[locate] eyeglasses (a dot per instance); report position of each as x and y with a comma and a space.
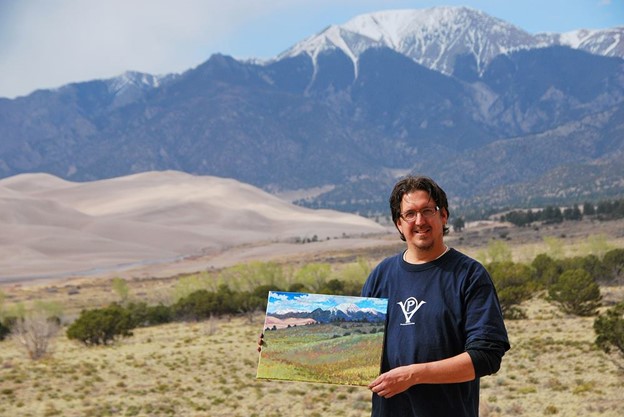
410, 216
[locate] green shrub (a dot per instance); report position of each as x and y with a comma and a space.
514, 284
144, 315
297, 287
202, 304
614, 262
333, 286
101, 326
576, 292
547, 270
4, 330
609, 329
591, 264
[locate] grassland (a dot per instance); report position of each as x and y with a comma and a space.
209, 368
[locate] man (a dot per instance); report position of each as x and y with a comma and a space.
445, 329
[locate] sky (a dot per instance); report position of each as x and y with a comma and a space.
49, 43
280, 302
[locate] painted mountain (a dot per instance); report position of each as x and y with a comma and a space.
292, 308
497, 115
340, 313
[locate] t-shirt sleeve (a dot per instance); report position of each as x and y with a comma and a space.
484, 318
486, 356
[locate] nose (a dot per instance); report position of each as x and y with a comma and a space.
419, 217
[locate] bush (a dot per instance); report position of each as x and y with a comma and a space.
297, 287
101, 326
547, 270
202, 304
591, 264
35, 327
35, 332
4, 330
249, 303
614, 263
144, 315
514, 284
576, 292
333, 286
609, 329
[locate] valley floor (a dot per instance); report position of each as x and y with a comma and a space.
209, 369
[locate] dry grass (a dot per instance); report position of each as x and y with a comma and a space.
198, 369
209, 368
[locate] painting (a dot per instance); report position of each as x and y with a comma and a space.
322, 338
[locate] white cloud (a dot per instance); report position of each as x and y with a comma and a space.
47, 43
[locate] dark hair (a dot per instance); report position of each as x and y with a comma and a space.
410, 184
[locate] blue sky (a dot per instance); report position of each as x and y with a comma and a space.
48, 43
288, 301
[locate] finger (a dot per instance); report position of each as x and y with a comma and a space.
388, 394
260, 342
376, 382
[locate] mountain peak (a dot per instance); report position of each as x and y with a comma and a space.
607, 42
346, 308
432, 37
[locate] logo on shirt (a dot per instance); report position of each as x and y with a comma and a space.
409, 307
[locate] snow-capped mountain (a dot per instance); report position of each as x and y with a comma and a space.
346, 308
342, 312
606, 42
131, 80
435, 37
431, 37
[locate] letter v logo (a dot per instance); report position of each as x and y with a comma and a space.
409, 307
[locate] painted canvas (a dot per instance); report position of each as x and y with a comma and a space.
322, 338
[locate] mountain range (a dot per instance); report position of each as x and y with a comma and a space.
342, 312
498, 116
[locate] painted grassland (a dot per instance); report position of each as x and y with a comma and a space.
345, 353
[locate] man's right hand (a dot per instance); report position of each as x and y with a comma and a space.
260, 342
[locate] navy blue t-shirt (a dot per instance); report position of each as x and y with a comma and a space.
434, 310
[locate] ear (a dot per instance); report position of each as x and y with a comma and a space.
399, 226
400, 229
444, 213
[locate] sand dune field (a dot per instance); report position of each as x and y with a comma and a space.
51, 228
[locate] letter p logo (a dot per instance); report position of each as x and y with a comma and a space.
409, 307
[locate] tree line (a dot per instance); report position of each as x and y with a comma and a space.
604, 210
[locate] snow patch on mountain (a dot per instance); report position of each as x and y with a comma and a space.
606, 42
347, 308
434, 37
133, 80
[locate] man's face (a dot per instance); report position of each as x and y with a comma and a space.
423, 233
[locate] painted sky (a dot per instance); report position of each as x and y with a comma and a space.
48, 43
300, 302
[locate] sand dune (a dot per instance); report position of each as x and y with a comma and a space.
50, 227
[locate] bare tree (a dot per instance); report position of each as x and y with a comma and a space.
35, 330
